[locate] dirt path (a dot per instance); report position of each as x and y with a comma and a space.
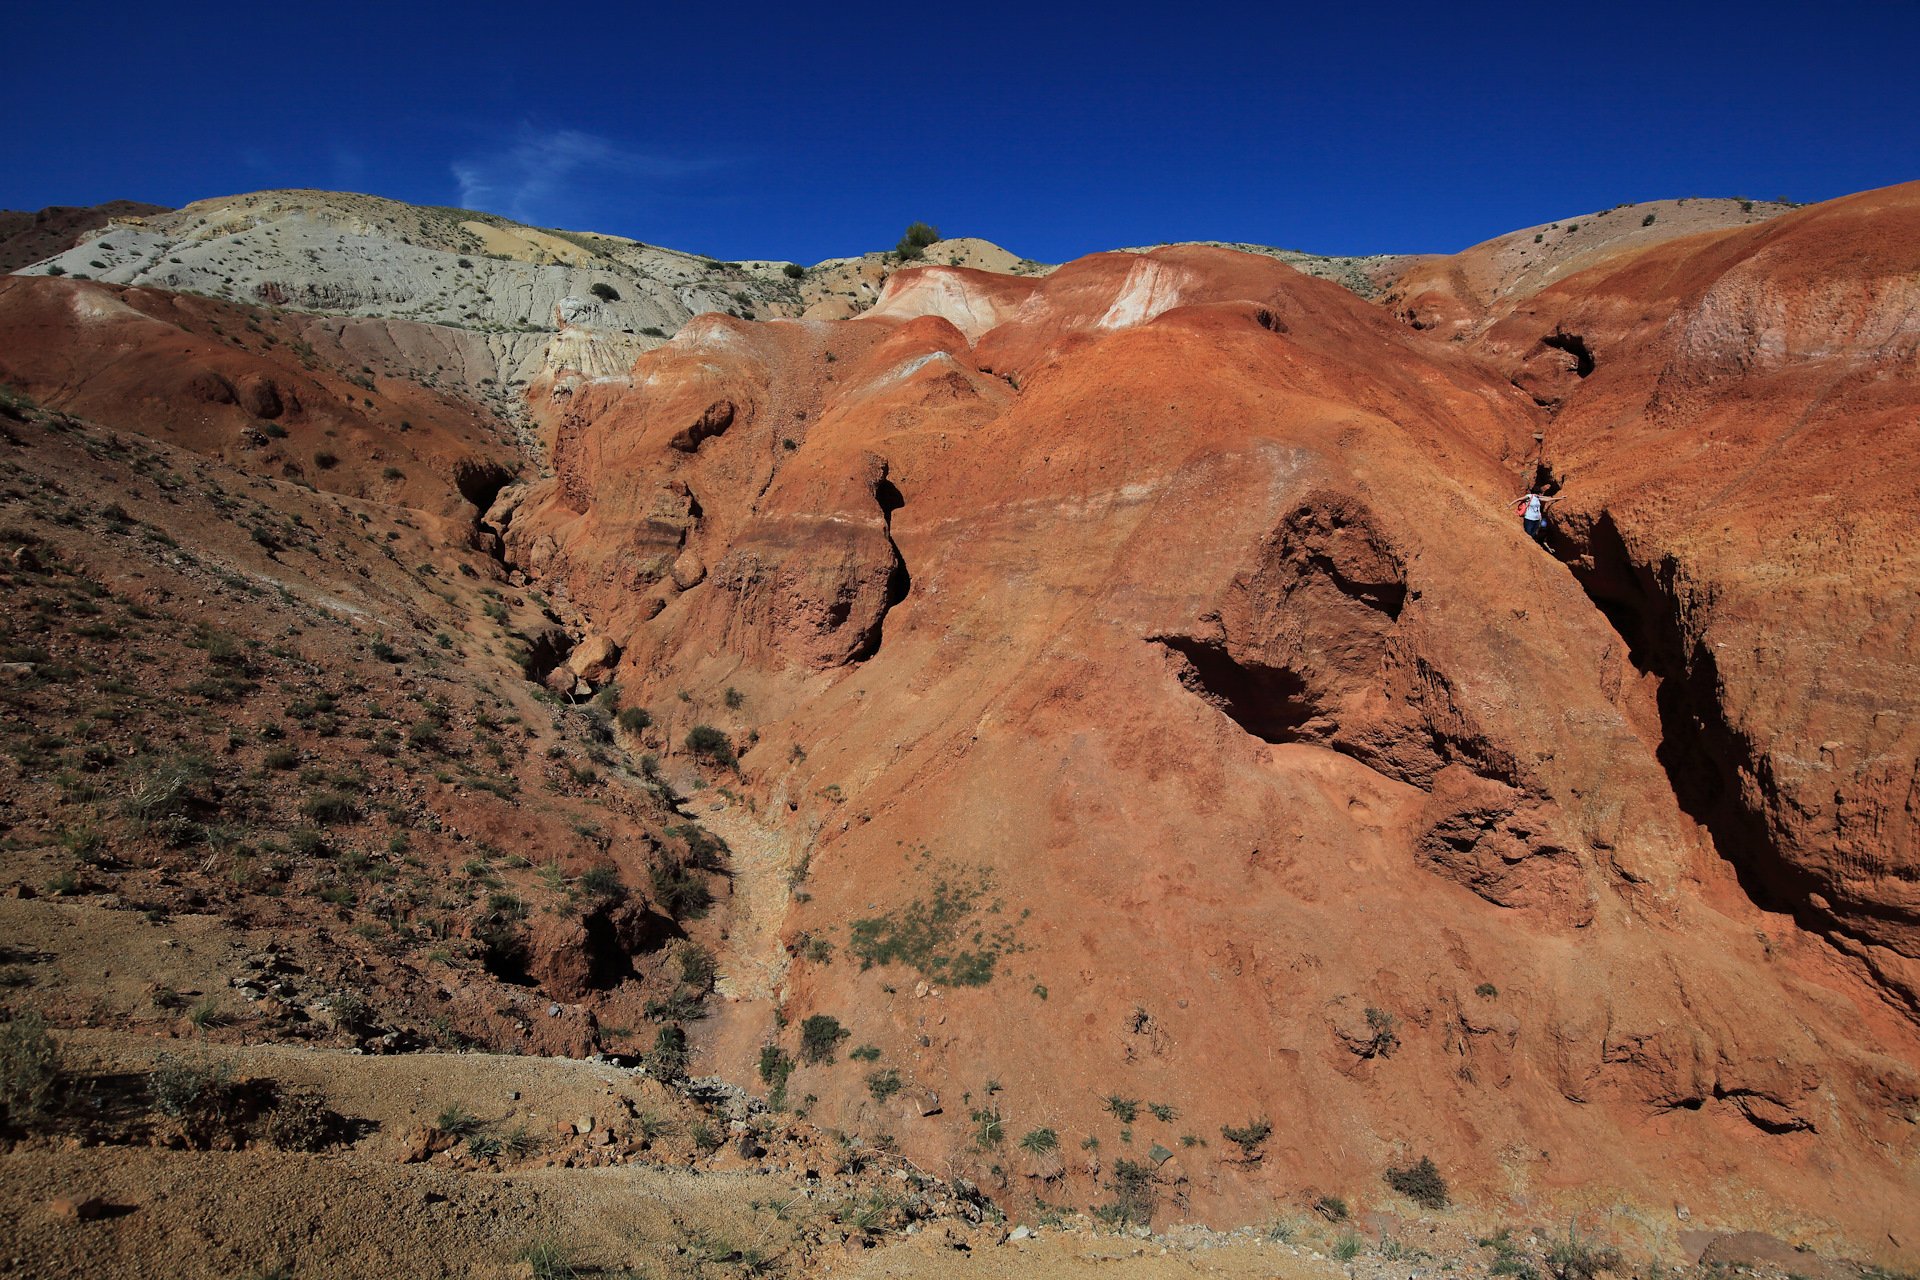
763, 861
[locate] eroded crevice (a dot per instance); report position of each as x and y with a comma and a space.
546, 649
1574, 345
1272, 703
480, 482
889, 499
1388, 596
1705, 758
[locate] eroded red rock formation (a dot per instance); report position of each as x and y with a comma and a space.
1173, 603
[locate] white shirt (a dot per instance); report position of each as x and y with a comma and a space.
1533, 506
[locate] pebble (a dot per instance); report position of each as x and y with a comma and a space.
77, 1208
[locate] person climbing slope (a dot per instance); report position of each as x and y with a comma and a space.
1532, 506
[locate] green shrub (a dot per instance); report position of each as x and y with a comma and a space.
29, 1070
884, 1084
330, 808
1346, 1248
1125, 1109
1384, 1027
455, 1119
1132, 1188
914, 243
1577, 1259
1420, 1182
705, 740
1041, 1141
1332, 1208
942, 936
602, 881
547, 1259
633, 719
697, 966
820, 1037
204, 1100
667, 1060
775, 1065
1248, 1136
681, 891
794, 271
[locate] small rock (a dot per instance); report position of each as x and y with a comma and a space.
1020, 1233
77, 1208
583, 1125
553, 1011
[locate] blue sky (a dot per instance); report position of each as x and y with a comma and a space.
785, 131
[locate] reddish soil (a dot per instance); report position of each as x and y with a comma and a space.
1168, 781
1157, 638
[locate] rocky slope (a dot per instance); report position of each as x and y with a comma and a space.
1150, 699
1123, 752
26, 238
1735, 424
1455, 294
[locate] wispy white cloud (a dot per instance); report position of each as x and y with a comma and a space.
550, 176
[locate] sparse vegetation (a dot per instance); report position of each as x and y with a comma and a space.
1572, 1258
989, 1129
1385, 1033
1419, 1182
299, 1121
1041, 1141
913, 244
1249, 1136
884, 1084
1133, 1194
455, 1119
705, 740
202, 1098
820, 1037
941, 936
546, 1258
29, 1071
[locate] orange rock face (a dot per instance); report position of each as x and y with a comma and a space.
240, 383
1150, 689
